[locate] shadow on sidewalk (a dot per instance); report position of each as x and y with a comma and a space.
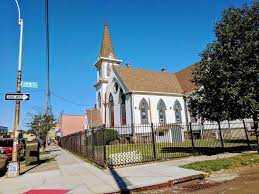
120, 181
35, 165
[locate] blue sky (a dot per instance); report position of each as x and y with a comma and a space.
147, 34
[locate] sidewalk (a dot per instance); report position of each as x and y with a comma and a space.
80, 177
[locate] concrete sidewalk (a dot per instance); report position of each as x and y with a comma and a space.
80, 177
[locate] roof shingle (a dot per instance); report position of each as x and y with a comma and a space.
148, 81
185, 79
106, 47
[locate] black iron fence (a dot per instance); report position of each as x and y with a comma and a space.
123, 145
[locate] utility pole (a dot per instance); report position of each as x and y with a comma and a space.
13, 168
48, 109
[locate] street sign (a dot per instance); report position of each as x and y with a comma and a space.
26, 84
17, 96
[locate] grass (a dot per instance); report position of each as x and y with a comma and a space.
225, 163
168, 150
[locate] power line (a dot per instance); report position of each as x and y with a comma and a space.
70, 101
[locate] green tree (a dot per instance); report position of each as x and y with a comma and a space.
41, 124
227, 75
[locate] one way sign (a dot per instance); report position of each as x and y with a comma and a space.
17, 96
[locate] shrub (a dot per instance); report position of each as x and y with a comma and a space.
110, 135
124, 140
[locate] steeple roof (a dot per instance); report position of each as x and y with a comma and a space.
106, 47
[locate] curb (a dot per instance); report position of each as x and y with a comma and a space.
162, 185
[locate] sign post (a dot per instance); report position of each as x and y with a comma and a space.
14, 166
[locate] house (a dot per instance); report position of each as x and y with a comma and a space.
69, 124
93, 118
3, 129
127, 95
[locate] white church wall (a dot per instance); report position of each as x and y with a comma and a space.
166, 137
117, 111
154, 99
170, 113
128, 110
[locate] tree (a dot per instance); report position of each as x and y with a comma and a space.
41, 124
227, 75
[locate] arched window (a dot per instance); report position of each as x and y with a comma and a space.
177, 110
108, 69
143, 107
161, 111
100, 72
123, 107
111, 110
115, 87
99, 100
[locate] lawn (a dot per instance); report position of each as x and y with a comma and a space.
171, 150
226, 163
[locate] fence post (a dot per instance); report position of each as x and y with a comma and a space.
80, 149
247, 139
93, 145
255, 118
193, 145
70, 143
220, 135
104, 147
153, 141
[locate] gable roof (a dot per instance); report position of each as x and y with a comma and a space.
185, 79
148, 81
106, 47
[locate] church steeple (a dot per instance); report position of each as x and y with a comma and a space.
104, 66
106, 50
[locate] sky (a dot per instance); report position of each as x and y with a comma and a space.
148, 34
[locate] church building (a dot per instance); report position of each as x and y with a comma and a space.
127, 95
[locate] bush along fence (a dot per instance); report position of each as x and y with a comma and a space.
124, 145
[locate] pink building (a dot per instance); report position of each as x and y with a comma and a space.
68, 124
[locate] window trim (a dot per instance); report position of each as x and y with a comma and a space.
178, 110
123, 112
143, 109
161, 108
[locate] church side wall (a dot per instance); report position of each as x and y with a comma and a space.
154, 99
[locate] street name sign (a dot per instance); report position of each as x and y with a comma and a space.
26, 84
17, 96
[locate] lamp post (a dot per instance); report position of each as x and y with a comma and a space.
13, 169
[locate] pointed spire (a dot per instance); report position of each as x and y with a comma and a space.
106, 47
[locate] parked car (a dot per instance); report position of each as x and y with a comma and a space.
6, 148
3, 163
